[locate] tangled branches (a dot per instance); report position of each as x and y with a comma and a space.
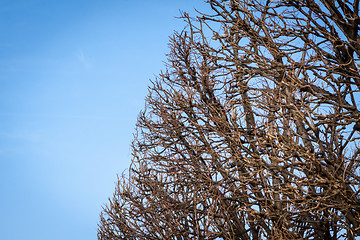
252, 131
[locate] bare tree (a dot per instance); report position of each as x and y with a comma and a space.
251, 132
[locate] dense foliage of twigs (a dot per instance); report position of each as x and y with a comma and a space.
252, 130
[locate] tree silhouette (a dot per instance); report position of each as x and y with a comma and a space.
251, 131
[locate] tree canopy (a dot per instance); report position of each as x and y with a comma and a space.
251, 131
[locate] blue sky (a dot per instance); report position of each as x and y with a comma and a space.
73, 77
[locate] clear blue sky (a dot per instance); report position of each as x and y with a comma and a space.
73, 77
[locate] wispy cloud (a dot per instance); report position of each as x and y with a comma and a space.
21, 135
83, 59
